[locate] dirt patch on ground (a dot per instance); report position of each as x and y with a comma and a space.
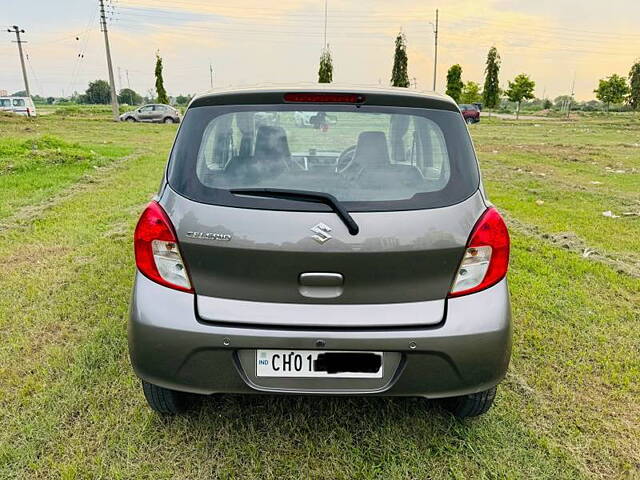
572, 242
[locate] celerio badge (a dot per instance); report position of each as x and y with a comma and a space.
222, 237
321, 233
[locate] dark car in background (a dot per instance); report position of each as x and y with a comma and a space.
153, 113
470, 113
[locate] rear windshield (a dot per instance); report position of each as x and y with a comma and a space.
370, 158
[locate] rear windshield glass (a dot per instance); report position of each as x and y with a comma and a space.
370, 158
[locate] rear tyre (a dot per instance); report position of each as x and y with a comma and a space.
168, 120
471, 405
131, 119
165, 401
469, 121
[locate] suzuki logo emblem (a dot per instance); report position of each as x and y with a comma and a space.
321, 233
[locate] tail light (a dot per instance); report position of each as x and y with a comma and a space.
486, 258
156, 248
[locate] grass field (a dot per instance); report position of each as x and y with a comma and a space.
71, 188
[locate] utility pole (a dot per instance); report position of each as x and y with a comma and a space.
211, 74
112, 83
435, 54
18, 31
325, 24
573, 88
120, 78
128, 83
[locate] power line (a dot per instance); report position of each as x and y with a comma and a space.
33, 72
15, 29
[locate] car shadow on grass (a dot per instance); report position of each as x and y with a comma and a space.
318, 418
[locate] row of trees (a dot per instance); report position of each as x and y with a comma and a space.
98, 92
521, 88
613, 89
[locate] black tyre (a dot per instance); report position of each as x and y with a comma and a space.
168, 120
131, 119
470, 405
165, 401
469, 120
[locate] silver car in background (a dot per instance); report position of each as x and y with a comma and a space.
358, 259
153, 113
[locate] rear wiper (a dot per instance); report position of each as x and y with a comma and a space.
303, 196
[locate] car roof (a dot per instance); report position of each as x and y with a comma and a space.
374, 95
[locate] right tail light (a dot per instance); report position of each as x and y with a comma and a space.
486, 257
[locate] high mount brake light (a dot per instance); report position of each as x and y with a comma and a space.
486, 258
323, 98
156, 249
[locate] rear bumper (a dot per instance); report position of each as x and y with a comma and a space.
170, 346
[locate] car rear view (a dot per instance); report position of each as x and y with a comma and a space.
359, 257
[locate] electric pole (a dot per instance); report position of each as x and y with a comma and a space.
325, 24
211, 74
18, 31
112, 83
435, 54
573, 88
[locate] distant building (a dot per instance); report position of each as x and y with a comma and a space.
4, 93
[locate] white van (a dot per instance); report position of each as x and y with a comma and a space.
18, 105
5, 104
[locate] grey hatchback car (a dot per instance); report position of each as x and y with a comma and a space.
360, 259
153, 113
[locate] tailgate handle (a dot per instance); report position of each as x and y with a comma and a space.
320, 285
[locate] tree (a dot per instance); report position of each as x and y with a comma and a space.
491, 92
612, 89
547, 104
162, 93
130, 97
471, 93
19, 93
634, 83
520, 89
325, 72
454, 82
183, 99
98, 92
400, 74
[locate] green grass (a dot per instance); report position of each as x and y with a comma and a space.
71, 408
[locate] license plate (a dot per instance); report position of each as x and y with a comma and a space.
314, 363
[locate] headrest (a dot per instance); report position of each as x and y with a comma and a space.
271, 143
372, 150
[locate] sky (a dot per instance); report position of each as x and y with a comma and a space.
251, 42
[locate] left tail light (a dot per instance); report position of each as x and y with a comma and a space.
157, 251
